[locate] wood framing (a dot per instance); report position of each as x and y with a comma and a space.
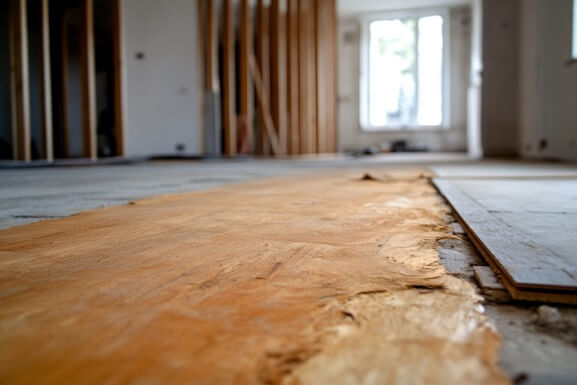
325, 67
331, 69
245, 100
269, 129
312, 78
64, 85
46, 84
292, 55
88, 82
263, 60
278, 73
306, 78
321, 74
21, 107
303, 96
228, 87
13, 81
118, 77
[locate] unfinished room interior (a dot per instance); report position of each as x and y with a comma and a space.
285, 192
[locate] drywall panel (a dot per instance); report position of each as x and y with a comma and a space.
499, 116
548, 86
161, 79
352, 137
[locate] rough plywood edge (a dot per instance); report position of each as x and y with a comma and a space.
490, 285
514, 252
516, 292
487, 278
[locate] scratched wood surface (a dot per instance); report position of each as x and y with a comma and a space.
318, 279
523, 230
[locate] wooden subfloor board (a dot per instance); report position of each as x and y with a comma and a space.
529, 272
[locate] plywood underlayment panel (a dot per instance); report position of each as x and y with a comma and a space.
525, 229
323, 279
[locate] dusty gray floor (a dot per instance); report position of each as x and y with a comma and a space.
536, 350
539, 341
31, 194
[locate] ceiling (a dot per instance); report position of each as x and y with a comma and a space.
351, 7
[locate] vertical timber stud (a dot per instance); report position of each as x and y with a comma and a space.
22, 144
321, 68
269, 129
303, 39
263, 61
208, 39
277, 73
246, 118
88, 80
46, 83
13, 82
292, 47
312, 78
65, 90
332, 76
228, 88
118, 76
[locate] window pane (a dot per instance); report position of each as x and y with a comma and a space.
392, 68
430, 95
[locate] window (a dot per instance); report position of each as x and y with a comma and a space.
403, 82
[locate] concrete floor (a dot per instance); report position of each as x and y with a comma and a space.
31, 194
536, 349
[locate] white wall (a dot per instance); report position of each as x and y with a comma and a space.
548, 86
352, 137
161, 90
499, 111
474, 144
353, 7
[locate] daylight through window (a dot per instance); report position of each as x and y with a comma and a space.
405, 72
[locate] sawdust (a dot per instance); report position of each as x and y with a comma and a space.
312, 280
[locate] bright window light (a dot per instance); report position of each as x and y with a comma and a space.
430, 53
404, 79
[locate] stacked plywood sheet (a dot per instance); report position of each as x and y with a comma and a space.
525, 228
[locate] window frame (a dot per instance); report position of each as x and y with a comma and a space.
365, 22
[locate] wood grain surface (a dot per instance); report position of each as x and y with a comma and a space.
322, 279
531, 270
